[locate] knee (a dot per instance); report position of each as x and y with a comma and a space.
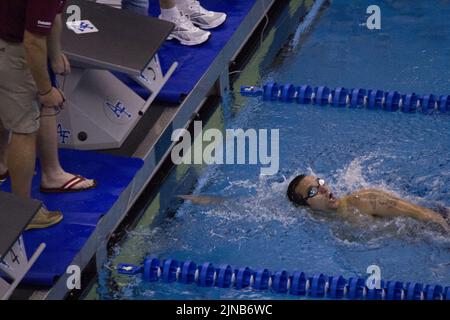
23, 136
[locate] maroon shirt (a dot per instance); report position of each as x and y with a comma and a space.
35, 16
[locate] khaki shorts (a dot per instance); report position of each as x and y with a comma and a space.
19, 107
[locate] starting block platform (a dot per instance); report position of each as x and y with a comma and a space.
101, 111
14, 263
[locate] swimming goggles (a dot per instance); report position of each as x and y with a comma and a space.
313, 191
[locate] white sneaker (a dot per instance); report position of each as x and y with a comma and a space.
185, 31
201, 17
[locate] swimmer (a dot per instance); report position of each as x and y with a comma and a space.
203, 199
313, 192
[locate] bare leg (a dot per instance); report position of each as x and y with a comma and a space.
4, 139
21, 162
53, 175
137, 6
140, 6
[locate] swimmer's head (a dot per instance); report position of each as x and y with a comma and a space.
313, 192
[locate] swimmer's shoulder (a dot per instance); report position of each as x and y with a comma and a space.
343, 204
370, 194
367, 191
356, 200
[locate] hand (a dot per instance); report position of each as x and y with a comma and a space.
61, 66
55, 98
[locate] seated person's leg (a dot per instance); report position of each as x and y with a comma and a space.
137, 6
184, 31
188, 16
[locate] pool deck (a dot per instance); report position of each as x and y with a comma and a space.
152, 144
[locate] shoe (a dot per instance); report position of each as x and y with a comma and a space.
185, 31
201, 17
44, 219
4, 177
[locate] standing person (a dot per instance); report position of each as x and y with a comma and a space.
25, 26
190, 18
53, 178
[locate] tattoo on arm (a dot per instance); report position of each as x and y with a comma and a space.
390, 203
373, 201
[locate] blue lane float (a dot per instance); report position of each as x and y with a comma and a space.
376, 293
343, 97
261, 279
188, 272
282, 282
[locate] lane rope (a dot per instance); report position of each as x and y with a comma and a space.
353, 98
282, 282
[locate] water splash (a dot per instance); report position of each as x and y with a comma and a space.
306, 23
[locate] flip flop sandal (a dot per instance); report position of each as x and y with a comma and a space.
69, 186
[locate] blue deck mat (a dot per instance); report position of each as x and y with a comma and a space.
193, 61
82, 210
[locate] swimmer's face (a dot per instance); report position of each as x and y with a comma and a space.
317, 194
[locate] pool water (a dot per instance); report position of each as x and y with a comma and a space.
406, 154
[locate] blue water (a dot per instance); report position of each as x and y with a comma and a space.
407, 154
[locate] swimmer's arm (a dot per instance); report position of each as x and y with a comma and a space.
202, 200
420, 213
36, 55
382, 204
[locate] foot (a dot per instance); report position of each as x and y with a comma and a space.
45, 219
201, 17
66, 182
3, 172
185, 31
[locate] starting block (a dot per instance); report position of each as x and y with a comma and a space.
100, 110
15, 215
